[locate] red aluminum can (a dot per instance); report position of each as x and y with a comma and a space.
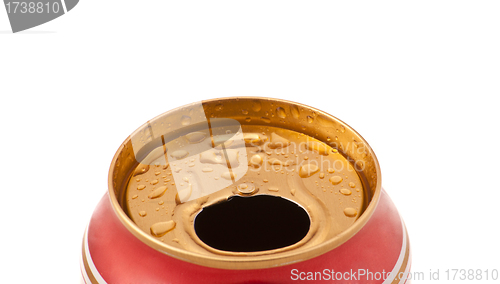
245, 190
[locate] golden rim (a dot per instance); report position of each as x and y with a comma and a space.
370, 169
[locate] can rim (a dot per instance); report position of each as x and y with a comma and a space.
258, 261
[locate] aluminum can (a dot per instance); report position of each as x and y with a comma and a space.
245, 190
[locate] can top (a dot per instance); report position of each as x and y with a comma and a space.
244, 183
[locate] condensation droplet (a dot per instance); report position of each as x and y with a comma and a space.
350, 212
255, 161
157, 192
141, 187
256, 106
185, 120
195, 137
141, 169
266, 119
142, 213
345, 191
318, 147
310, 119
244, 111
308, 170
278, 141
161, 228
179, 154
352, 184
281, 112
295, 111
335, 180
228, 175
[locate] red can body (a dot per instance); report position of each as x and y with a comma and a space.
373, 248
111, 254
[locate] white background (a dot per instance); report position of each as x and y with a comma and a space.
419, 80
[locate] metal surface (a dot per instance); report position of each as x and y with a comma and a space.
291, 136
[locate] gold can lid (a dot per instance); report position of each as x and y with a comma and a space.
243, 183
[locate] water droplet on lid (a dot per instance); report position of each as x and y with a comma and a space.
275, 189
335, 180
330, 170
281, 112
141, 187
248, 119
228, 175
185, 120
310, 119
275, 161
256, 106
254, 139
134, 197
161, 202
179, 154
157, 192
153, 182
321, 175
345, 191
308, 170
142, 213
244, 111
278, 141
295, 111
206, 170
318, 147
141, 169
265, 180
352, 184
266, 119
255, 161
161, 228
350, 212
195, 137
184, 194
157, 173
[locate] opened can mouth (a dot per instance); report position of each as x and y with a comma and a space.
244, 183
